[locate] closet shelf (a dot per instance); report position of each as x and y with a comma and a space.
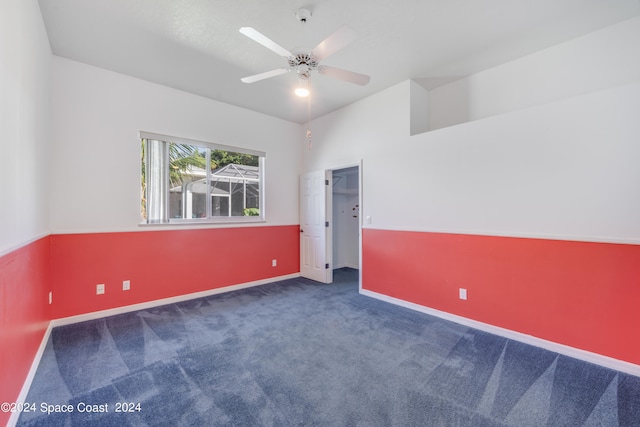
345, 191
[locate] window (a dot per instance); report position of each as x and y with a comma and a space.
193, 181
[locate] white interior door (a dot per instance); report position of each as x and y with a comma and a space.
314, 259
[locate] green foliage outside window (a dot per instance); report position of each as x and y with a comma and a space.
252, 212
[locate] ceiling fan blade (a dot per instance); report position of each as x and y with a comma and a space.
336, 41
347, 76
265, 41
266, 75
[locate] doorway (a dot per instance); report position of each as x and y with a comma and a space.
345, 218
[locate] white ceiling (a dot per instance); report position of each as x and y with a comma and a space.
195, 45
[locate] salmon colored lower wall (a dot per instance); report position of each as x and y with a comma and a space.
580, 294
24, 314
162, 264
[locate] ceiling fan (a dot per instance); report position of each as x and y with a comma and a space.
306, 61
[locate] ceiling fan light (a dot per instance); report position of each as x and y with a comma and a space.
302, 92
303, 87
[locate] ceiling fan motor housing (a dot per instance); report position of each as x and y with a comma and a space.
303, 63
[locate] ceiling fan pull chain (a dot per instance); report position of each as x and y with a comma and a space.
309, 116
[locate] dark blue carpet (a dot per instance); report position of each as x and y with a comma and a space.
298, 353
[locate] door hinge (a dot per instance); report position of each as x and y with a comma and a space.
326, 224
326, 266
326, 182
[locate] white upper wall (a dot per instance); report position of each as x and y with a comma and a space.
603, 59
25, 59
564, 169
97, 117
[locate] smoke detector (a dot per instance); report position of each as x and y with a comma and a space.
303, 15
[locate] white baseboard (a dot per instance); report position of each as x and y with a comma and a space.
155, 303
120, 310
22, 397
587, 356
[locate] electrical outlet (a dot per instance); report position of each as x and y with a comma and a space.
100, 289
274, 262
463, 294
126, 285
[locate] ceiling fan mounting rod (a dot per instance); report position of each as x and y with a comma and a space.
303, 15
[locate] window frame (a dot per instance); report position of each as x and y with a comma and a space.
209, 219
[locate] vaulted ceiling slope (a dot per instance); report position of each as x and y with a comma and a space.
196, 46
